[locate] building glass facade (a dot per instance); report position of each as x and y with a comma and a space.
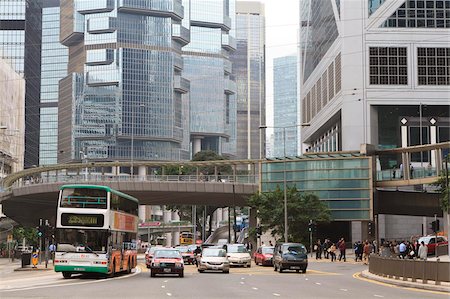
20, 46
285, 106
53, 68
207, 66
344, 183
125, 94
249, 69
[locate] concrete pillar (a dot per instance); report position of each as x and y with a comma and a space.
253, 221
382, 226
167, 217
225, 214
142, 213
433, 140
197, 145
115, 170
404, 136
424, 226
176, 234
219, 218
142, 173
357, 231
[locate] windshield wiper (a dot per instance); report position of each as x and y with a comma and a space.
90, 250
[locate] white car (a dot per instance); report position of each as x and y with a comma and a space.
238, 255
214, 259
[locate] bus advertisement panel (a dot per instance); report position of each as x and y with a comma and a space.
96, 230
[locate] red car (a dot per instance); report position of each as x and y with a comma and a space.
167, 261
188, 256
149, 255
430, 241
263, 256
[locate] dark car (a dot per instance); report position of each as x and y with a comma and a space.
167, 261
290, 256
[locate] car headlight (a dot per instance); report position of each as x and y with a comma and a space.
178, 265
155, 264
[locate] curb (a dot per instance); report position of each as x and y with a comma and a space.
32, 269
366, 274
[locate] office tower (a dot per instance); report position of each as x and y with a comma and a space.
53, 68
12, 119
285, 106
20, 46
207, 65
249, 69
124, 97
375, 72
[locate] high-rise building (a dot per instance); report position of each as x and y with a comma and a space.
249, 69
375, 72
124, 97
20, 46
208, 67
53, 68
285, 106
12, 119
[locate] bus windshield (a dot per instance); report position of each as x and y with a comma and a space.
82, 240
83, 198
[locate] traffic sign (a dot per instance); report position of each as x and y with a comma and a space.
9, 238
35, 258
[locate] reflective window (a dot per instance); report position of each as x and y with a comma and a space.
433, 66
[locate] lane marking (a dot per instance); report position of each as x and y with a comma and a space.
163, 287
276, 294
345, 290
255, 288
379, 296
165, 280
169, 294
306, 279
242, 282
65, 284
242, 277
318, 283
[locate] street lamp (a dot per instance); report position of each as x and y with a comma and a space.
84, 157
284, 173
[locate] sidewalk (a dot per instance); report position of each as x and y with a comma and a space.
7, 266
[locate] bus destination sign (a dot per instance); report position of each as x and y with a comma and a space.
89, 220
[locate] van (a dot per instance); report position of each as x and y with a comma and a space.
290, 256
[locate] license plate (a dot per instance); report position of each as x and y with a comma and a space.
215, 267
295, 267
167, 270
79, 269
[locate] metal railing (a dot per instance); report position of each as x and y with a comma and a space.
406, 269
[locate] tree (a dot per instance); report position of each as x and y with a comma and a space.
443, 187
301, 208
30, 235
211, 156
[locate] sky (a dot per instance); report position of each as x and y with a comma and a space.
282, 18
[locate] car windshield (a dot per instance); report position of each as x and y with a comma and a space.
237, 249
214, 252
167, 254
267, 250
294, 249
183, 249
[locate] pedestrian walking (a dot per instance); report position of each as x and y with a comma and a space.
342, 248
423, 251
366, 253
318, 249
332, 251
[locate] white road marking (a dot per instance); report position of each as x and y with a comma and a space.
242, 278
169, 294
345, 290
255, 288
163, 287
379, 296
242, 282
276, 294
306, 279
318, 283
165, 281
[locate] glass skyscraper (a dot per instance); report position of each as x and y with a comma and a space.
53, 68
249, 68
208, 67
124, 97
20, 46
285, 106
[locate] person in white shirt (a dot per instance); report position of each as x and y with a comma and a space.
423, 251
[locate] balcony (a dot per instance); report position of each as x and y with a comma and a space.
87, 7
181, 34
181, 84
101, 25
102, 78
230, 87
227, 66
228, 42
72, 31
99, 57
178, 62
170, 8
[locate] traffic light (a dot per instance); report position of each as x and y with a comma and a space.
435, 225
312, 227
41, 230
258, 231
370, 228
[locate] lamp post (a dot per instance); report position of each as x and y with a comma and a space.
284, 174
83, 155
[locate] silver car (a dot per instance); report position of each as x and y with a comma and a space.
214, 259
238, 255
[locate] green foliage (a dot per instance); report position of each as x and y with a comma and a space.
443, 187
29, 233
301, 208
211, 156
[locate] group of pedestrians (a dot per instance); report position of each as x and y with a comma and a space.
363, 250
329, 249
404, 249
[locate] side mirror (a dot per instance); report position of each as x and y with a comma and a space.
280, 252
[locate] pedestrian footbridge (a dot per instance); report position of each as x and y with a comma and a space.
347, 181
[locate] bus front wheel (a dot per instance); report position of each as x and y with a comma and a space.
66, 275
